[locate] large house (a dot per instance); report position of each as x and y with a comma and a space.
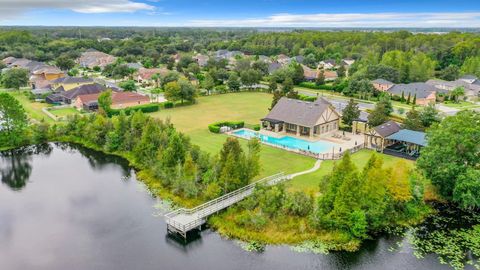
202, 60
144, 75
40, 74
67, 97
469, 83
120, 100
311, 74
328, 64
382, 85
93, 58
423, 93
302, 118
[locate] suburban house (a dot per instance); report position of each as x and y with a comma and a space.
299, 59
41, 74
120, 100
347, 62
302, 118
382, 85
469, 83
144, 75
93, 58
67, 97
274, 66
68, 83
391, 139
423, 93
328, 64
202, 60
311, 74
283, 59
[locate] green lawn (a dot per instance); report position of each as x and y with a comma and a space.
247, 106
311, 181
33, 109
64, 112
461, 105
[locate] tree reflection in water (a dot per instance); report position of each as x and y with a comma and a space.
15, 167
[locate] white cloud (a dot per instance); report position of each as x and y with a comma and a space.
424, 19
13, 8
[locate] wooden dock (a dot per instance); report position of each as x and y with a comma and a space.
183, 220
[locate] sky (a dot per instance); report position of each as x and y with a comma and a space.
244, 13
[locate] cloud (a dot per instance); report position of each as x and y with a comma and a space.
14, 8
423, 19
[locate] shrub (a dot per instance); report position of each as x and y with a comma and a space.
308, 98
168, 105
147, 108
215, 127
256, 127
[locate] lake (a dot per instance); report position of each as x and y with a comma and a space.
66, 207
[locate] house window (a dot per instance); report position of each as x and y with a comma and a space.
291, 127
323, 129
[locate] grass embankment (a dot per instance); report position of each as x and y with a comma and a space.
33, 109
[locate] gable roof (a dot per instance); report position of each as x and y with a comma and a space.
298, 112
421, 90
272, 67
386, 129
69, 80
382, 81
117, 98
410, 136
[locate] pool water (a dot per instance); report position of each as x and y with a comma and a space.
290, 142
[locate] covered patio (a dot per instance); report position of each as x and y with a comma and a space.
406, 143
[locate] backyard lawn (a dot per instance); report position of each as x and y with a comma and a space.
311, 181
64, 112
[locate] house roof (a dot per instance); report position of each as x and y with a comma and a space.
329, 61
147, 73
298, 112
468, 77
382, 81
308, 73
117, 98
386, 129
83, 90
410, 136
272, 67
421, 90
69, 80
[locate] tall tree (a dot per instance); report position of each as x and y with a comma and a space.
64, 62
15, 78
429, 115
350, 113
320, 80
13, 121
452, 153
413, 120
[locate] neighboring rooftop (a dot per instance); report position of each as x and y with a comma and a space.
386, 129
419, 89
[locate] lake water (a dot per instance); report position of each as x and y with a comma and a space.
66, 207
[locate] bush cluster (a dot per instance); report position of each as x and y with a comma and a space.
215, 127
147, 108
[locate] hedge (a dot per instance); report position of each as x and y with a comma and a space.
215, 127
147, 108
168, 104
307, 98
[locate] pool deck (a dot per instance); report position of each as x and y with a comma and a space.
349, 141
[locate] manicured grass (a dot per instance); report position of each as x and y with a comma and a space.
247, 106
64, 112
311, 181
33, 109
461, 105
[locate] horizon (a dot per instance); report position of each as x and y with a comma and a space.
247, 14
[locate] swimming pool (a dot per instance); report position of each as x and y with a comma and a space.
290, 142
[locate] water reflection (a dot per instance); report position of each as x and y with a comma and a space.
98, 160
16, 167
